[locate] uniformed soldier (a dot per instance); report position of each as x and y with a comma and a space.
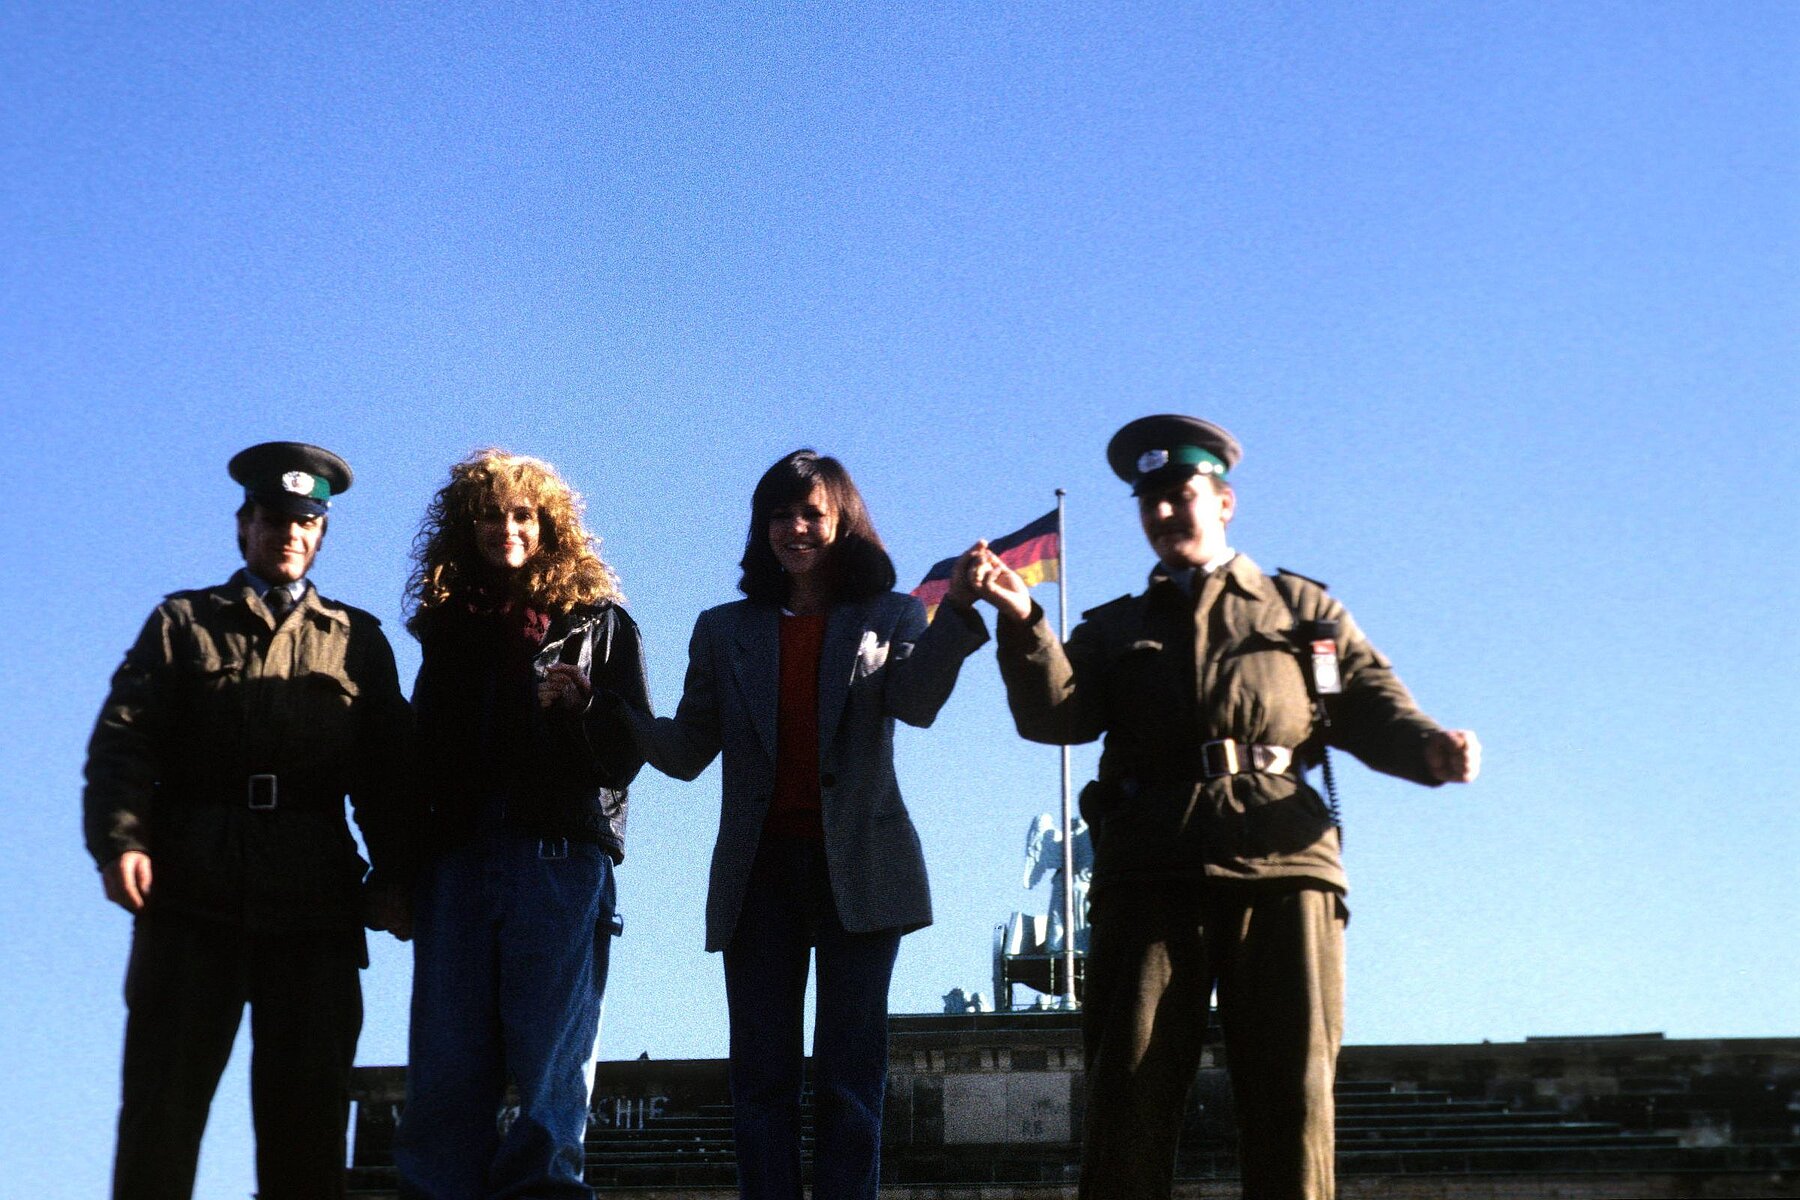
1216, 864
214, 808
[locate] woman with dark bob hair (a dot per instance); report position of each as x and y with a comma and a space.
798, 686
522, 800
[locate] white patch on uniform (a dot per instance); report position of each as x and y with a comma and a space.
298, 483
1152, 460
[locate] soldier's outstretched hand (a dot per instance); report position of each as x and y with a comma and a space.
1454, 755
127, 880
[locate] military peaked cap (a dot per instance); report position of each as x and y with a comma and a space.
1154, 452
291, 477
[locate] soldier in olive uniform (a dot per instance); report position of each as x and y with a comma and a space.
214, 808
1216, 864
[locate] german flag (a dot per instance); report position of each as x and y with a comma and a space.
1033, 552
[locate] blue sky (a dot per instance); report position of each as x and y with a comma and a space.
1499, 297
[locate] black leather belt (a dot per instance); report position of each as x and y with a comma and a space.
1206, 761
1228, 756
266, 792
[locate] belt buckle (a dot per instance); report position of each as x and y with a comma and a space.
262, 792
1219, 758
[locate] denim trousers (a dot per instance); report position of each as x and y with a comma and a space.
511, 936
788, 912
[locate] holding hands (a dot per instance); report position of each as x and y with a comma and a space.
980, 574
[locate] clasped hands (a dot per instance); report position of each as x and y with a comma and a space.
981, 574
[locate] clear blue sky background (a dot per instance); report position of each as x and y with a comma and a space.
1500, 298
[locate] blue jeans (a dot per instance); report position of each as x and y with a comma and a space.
788, 911
510, 942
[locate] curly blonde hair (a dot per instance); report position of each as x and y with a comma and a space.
565, 571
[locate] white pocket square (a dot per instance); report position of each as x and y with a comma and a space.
872, 654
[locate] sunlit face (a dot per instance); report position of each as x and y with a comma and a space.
801, 533
1185, 522
278, 547
506, 532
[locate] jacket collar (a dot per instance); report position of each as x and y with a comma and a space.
326, 610
1241, 575
758, 666
240, 591
566, 626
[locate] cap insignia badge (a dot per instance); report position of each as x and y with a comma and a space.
297, 483
1152, 460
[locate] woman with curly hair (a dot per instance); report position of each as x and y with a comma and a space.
522, 793
798, 686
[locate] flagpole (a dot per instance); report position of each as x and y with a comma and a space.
1068, 831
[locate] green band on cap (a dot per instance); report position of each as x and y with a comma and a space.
1203, 461
1194, 456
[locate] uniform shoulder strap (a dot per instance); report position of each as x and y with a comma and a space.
1291, 585
1102, 610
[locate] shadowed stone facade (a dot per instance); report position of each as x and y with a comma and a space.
989, 1106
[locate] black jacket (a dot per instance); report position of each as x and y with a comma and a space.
565, 771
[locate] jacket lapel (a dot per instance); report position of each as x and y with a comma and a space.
757, 666
844, 629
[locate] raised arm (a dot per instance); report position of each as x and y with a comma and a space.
1047, 686
1045, 689
925, 660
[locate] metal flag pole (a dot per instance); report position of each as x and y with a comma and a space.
1068, 824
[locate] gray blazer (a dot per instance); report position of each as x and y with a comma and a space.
879, 661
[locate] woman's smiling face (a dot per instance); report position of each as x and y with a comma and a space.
506, 532
801, 533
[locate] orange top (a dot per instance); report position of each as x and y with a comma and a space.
794, 809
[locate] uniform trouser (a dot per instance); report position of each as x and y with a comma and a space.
788, 912
186, 988
511, 939
1276, 955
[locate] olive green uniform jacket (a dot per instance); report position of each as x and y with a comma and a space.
212, 694
1157, 683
